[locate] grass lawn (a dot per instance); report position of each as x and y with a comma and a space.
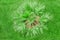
6, 24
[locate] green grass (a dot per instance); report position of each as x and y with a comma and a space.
6, 24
